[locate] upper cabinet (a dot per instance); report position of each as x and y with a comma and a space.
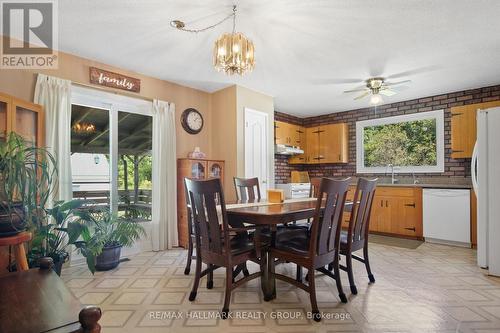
288, 134
24, 118
321, 144
463, 128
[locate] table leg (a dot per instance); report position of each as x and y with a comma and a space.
271, 265
20, 254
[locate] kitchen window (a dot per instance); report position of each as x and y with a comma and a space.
412, 143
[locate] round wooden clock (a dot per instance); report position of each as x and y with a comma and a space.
192, 121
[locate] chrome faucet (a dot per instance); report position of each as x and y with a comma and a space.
393, 180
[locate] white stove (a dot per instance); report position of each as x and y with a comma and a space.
295, 190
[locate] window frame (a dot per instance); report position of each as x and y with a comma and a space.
438, 115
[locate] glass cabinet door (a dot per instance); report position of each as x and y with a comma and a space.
26, 121
215, 170
197, 170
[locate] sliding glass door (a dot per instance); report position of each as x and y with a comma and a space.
111, 142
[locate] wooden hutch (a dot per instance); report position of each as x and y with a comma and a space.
194, 169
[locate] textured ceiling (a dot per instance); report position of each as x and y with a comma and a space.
303, 48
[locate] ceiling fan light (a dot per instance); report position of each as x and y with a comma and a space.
376, 99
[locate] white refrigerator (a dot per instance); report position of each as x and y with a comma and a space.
486, 181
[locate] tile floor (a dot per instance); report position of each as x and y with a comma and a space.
433, 288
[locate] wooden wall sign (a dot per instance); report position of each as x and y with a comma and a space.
114, 80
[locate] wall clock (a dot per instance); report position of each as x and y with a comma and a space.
192, 121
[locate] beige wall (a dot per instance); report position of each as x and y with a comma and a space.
224, 135
21, 83
223, 111
247, 98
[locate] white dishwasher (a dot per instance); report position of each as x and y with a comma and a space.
446, 214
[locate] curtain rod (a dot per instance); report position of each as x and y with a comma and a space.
112, 91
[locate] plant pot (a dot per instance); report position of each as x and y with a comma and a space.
109, 258
11, 222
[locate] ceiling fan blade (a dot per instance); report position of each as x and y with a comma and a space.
413, 72
387, 92
390, 84
336, 81
357, 89
366, 93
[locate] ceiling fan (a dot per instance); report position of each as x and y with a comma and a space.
376, 87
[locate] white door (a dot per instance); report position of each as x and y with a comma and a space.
256, 145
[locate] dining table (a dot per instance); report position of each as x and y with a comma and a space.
261, 212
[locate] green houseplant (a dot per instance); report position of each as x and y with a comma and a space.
66, 223
27, 174
102, 241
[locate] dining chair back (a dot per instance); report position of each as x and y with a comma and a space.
314, 188
247, 188
356, 237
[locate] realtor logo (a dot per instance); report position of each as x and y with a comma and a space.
29, 32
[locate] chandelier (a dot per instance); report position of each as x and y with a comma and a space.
83, 128
233, 52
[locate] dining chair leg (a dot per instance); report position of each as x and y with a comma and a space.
367, 264
299, 273
350, 273
336, 270
245, 270
210, 277
197, 276
312, 295
227, 298
189, 257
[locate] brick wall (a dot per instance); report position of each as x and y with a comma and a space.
459, 168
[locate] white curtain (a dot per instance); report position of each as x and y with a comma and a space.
54, 94
164, 211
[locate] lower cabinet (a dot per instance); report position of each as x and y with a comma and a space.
395, 211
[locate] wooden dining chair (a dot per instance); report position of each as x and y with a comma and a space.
321, 247
217, 247
356, 236
191, 235
314, 188
247, 188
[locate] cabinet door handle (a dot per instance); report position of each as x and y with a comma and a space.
340, 157
381, 203
412, 229
387, 203
457, 114
410, 205
457, 151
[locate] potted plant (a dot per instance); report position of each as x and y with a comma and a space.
65, 223
101, 243
26, 177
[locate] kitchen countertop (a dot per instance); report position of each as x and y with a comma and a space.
425, 182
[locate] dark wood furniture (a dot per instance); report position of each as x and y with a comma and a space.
271, 216
356, 236
37, 300
314, 188
193, 169
17, 242
321, 246
217, 247
247, 188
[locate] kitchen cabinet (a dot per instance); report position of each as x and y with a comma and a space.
396, 211
288, 134
193, 169
333, 143
463, 128
321, 144
22, 117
